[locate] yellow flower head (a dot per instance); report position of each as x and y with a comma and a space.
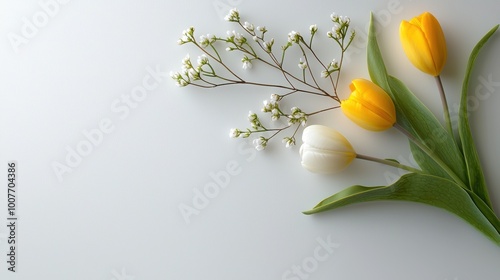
424, 43
369, 106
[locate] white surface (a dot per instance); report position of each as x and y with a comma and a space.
116, 215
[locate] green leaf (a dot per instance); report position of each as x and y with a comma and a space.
415, 117
422, 188
475, 173
376, 66
429, 130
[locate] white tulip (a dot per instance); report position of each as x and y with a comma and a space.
325, 150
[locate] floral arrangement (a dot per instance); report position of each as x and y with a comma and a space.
450, 175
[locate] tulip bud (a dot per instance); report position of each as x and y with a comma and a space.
424, 43
369, 106
325, 150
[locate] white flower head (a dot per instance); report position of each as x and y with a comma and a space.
252, 116
334, 17
233, 15
206, 40
333, 66
175, 75
297, 116
202, 60
247, 63
302, 64
294, 37
194, 74
187, 36
336, 28
234, 133
248, 26
268, 46
182, 83
275, 114
289, 142
325, 150
186, 63
260, 143
275, 97
313, 28
235, 37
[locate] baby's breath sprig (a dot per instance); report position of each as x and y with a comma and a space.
251, 42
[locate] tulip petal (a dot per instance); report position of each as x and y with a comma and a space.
325, 138
424, 43
369, 106
325, 150
324, 161
435, 39
416, 48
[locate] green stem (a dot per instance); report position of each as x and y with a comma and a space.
431, 154
390, 163
445, 106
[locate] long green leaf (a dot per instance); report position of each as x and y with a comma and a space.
426, 189
475, 173
415, 117
429, 130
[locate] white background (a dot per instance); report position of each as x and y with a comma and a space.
116, 214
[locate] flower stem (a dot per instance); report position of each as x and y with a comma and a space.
389, 162
445, 105
431, 154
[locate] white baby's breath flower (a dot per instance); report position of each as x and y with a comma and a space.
334, 17
302, 64
233, 15
313, 28
336, 28
252, 116
248, 26
260, 143
202, 60
194, 74
234, 133
275, 114
262, 29
247, 63
181, 83
206, 40
289, 142
268, 46
175, 75
294, 37
186, 63
274, 97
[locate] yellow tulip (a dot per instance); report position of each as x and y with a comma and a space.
325, 150
369, 106
424, 43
